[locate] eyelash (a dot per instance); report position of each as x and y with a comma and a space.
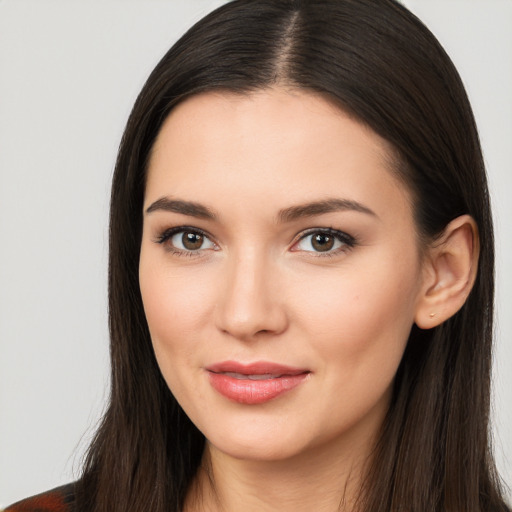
169, 233
347, 240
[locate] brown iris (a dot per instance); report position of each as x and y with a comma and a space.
322, 242
192, 241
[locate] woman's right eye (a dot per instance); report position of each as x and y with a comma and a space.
185, 240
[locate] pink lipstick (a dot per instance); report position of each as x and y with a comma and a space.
254, 383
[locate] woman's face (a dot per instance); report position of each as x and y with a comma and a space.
280, 271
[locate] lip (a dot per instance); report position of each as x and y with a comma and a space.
254, 383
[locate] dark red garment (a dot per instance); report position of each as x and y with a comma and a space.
60, 499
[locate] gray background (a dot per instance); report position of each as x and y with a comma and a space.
69, 73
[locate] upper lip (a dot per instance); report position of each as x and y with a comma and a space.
255, 368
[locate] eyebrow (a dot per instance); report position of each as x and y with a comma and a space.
184, 207
290, 214
320, 207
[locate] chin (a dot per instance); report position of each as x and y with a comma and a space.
262, 450
263, 442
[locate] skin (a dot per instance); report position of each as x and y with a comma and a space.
257, 290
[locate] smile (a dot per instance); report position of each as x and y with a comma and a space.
256, 383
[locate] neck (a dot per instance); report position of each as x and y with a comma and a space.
324, 479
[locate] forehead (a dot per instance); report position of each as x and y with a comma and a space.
223, 114
267, 141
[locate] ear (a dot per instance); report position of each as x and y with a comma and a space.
449, 272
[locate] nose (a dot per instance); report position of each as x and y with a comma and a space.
251, 302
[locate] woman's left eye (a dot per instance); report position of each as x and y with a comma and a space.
186, 240
324, 241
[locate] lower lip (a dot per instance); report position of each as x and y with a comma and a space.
253, 392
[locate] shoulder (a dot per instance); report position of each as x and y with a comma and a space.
60, 499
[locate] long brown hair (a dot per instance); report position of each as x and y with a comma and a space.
383, 66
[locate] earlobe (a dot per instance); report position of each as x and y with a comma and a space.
449, 273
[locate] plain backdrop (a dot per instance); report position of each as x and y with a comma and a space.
69, 73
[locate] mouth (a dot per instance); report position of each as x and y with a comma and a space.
242, 376
255, 383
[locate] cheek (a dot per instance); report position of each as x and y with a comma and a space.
171, 307
358, 326
174, 300
169, 316
361, 317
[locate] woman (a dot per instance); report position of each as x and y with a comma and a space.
301, 264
